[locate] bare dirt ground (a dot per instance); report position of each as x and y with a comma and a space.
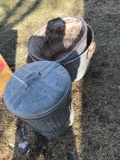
95, 134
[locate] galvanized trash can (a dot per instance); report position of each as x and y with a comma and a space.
41, 97
63, 40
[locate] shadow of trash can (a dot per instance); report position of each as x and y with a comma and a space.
63, 40
40, 94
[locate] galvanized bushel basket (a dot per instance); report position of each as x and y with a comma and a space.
61, 40
41, 97
78, 66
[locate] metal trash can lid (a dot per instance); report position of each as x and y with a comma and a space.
42, 87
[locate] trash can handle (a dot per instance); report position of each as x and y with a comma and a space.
32, 77
91, 50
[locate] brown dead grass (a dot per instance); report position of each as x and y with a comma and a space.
96, 129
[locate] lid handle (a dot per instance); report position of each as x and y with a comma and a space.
15, 99
32, 77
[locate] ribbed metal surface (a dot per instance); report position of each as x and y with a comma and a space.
54, 124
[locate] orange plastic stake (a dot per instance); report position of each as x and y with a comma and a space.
5, 74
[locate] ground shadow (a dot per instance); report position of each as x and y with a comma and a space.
36, 142
100, 102
63, 147
8, 42
12, 11
8, 36
39, 147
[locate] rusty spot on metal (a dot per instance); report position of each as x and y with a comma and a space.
91, 50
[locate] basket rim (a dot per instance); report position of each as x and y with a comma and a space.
34, 56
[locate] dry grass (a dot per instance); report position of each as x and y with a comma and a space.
96, 130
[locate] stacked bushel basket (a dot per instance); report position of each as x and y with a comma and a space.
40, 92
